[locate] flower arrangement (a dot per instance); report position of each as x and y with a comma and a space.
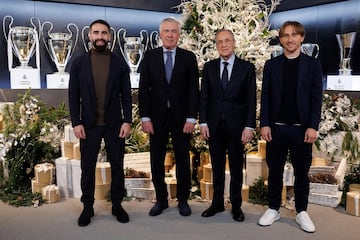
339, 118
32, 135
248, 19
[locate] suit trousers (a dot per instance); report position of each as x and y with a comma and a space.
181, 145
89, 149
288, 138
219, 144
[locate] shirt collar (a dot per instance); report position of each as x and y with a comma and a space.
230, 60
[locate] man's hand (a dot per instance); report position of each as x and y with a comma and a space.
266, 133
247, 135
79, 132
310, 135
204, 131
125, 130
188, 127
147, 127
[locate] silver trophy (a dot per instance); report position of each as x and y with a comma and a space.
346, 43
60, 45
133, 49
88, 44
22, 41
155, 40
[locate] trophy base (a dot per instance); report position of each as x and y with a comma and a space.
134, 80
25, 78
57, 81
345, 71
343, 82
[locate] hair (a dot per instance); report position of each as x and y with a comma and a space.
225, 30
299, 28
170, 20
100, 21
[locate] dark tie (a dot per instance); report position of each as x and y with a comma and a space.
168, 66
225, 76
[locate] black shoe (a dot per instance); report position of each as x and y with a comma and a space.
238, 215
184, 208
85, 216
158, 208
120, 213
211, 211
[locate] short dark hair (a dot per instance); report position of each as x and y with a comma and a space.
101, 21
299, 28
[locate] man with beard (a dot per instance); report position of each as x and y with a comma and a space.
100, 108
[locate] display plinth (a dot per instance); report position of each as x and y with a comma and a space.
57, 81
25, 78
343, 82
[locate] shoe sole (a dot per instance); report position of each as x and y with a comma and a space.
303, 228
267, 225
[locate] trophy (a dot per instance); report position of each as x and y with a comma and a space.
311, 49
155, 40
346, 42
133, 49
23, 42
88, 44
60, 46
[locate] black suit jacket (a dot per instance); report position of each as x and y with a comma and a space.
82, 97
237, 105
309, 91
182, 92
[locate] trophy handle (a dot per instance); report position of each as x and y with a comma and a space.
154, 39
317, 48
10, 25
46, 35
121, 39
144, 36
113, 39
85, 31
37, 25
76, 31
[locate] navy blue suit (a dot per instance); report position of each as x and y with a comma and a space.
290, 137
227, 113
117, 107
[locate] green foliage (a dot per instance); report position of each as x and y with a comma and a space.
352, 177
138, 141
258, 192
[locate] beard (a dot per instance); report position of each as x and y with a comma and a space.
98, 46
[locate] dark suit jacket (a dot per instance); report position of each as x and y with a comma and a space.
182, 92
237, 105
309, 91
82, 97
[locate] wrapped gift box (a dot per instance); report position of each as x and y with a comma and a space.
317, 161
139, 161
262, 148
64, 176
44, 173
101, 191
352, 203
354, 187
330, 200
204, 158
51, 193
171, 187
67, 149
76, 154
102, 173
321, 188
76, 176
207, 173
37, 187
256, 167
143, 193
206, 189
69, 134
245, 193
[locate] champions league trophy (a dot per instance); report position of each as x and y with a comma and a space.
346, 42
133, 49
155, 40
22, 42
60, 47
88, 44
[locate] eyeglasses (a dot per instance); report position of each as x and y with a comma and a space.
223, 42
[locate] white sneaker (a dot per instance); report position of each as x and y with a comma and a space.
304, 220
269, 217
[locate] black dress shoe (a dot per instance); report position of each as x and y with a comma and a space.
184, 208
238, 215
85, 216
120, 213
211, 211
158, 208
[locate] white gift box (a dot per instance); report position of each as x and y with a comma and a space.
76, 176
256, 167
64, 176
69, 134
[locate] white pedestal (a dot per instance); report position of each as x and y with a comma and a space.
25, 78
134, 80
76, 176
256, 167
343, 82
57, 81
